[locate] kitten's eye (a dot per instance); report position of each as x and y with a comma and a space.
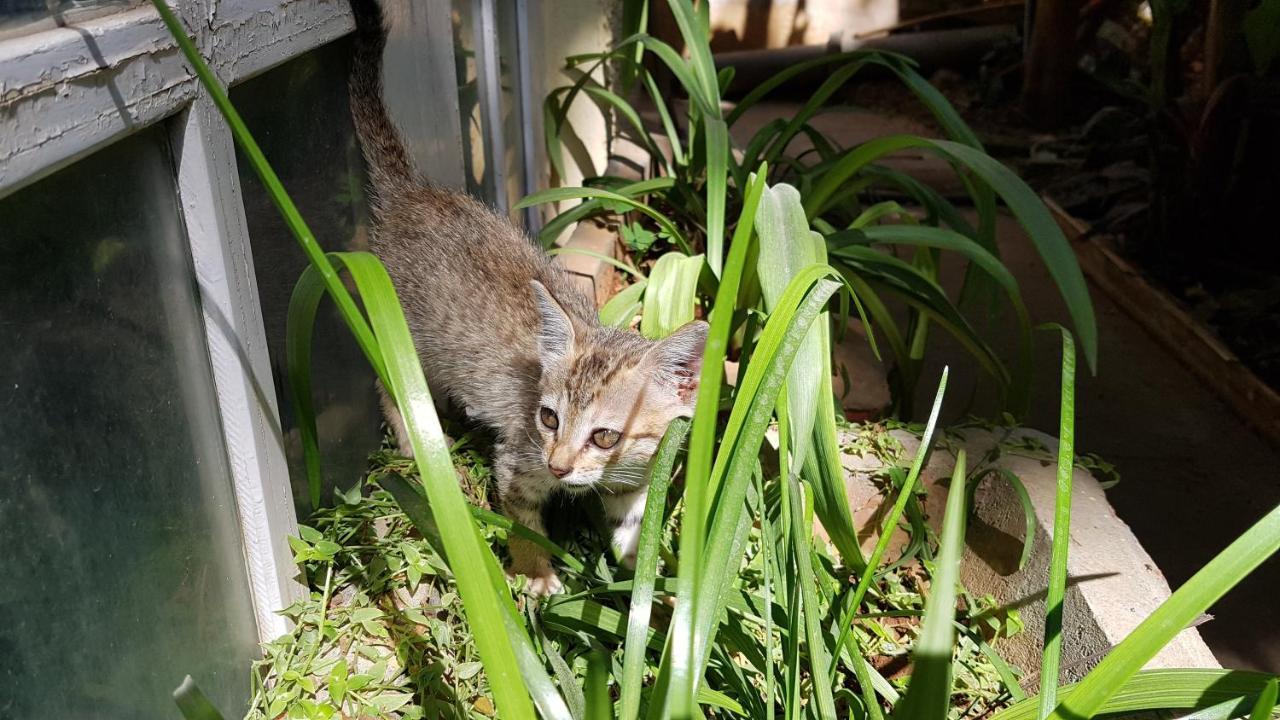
548, 418
605, 439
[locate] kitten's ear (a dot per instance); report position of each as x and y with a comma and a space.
677, 359
555, 333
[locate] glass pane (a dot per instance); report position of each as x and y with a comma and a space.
299, 114
509, 77
19, 17
122, 567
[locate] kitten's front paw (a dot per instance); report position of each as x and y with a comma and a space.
541, 578
544, 585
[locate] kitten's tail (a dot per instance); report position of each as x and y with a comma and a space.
389, 167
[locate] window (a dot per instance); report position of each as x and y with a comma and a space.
320, 165
143, 284
20, 17
123, 566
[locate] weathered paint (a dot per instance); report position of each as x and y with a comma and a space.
68, 91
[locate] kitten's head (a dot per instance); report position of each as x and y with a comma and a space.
608, 395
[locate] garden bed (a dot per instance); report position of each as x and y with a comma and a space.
382, 632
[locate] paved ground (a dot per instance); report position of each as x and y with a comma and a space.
1193, 476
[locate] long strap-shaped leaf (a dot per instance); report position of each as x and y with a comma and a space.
702, 442
1031, 213
929, 691
473, 564
1186, 604
1055, 600
577, 193
822, 679
854, 600
646, 571
548, 700
698, 603
1167, 689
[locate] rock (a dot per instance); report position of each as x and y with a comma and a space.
1113, 583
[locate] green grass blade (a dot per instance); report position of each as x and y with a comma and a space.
1028, 510
416, 507
815, 103
299, 325
826, 473
1186, 604
668, 125
646, 570
608, 100
695, 40
891, 519
671, 295
767, 556
717, 557
1056, 597
928, 694
551, 112
873, 214
466, 553
556, 226
1167, 689
760, 91
192, 703
820, 669
920, 291
491, 518
942, 239
598, 256
943, 111
757, 396
676, 64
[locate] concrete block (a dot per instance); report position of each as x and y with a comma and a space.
1112, 586
595, 276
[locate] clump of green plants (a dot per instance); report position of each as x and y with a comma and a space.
733, 607
382, 631
883, 232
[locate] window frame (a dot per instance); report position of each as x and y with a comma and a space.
72, 90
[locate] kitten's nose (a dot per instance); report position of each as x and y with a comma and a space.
559, 471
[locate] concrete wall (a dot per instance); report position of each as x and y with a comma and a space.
757, 24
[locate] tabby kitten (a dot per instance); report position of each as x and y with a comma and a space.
508, 337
